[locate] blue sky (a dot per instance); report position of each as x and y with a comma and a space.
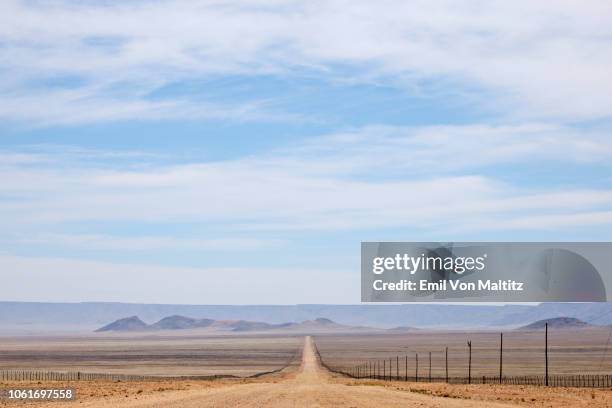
239, 152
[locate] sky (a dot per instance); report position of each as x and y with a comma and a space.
238, 152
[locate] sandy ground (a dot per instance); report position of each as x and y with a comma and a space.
313, 386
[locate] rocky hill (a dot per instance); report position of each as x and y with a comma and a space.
177, 322
127, 324
557, 323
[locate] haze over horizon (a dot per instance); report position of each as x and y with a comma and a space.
41, 318
238, 153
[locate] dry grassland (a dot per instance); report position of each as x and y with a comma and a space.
151, 355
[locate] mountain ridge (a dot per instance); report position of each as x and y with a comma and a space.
25, 318
178, 322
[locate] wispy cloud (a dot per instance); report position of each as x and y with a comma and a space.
145, 243
434, 150
376, 177
74, 62
48, 277
130, 220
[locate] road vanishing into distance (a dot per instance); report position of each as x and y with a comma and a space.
311, 386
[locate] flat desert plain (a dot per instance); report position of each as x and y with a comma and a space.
311, 385
159, 355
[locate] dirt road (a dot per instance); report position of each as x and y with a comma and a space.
311, 386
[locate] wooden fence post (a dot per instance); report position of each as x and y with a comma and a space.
546, 350
469, 343
501, 351
430, 366
446, 363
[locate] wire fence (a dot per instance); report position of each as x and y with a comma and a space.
37, 375
43, 375
415, 368
590, 381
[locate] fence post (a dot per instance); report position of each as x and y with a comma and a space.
397, 367
430, 366
416, 368
501, 350
469, 343
384, 370
446, 363
406, 379
546, 349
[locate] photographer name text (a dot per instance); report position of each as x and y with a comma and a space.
423, 285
